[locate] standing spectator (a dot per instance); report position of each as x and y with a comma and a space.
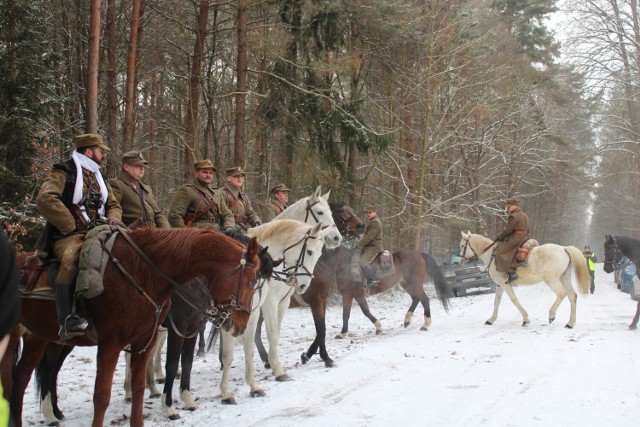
591, 262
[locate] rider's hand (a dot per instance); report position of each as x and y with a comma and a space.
230, 231
116, 223
257, 223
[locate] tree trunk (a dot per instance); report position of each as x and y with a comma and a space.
194, 88
92, 67
127, 131
241, 93
112, 72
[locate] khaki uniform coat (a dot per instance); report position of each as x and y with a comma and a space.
510, 242
130, 192
240, 205
67, 247
195, 197
273, 209
370, 245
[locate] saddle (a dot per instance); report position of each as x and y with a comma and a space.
522, 253
32, 269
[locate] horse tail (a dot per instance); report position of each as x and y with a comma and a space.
580, 267
442, 290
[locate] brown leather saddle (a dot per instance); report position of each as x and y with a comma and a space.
522, 253
33, 280
383, 264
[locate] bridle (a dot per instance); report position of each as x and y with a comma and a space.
612, 248
348, 223
309, 211
467, 244
291, 273
216, 313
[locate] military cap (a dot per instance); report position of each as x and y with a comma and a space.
371, 209
89, 140
513, 202
134, 158
203, 164
235, 171
280, 187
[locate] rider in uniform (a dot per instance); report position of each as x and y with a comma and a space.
514, 234
369, 246
200, 205
74, 198
238, 202
279, 203
139, 207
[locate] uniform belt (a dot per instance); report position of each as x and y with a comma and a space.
519, 232
210, 220
241, 219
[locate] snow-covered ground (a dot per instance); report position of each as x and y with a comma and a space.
459, 373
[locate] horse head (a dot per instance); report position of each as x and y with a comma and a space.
612, 254
348, 223
233, 278
313, 210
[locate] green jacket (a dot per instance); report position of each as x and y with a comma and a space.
130, 193
200, 206
239, 203
273, 209
370, 244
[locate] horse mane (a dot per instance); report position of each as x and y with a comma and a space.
627, 245
284, 227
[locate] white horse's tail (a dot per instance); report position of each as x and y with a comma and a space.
580, 267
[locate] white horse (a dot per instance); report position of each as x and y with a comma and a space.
299, 245
313, 210
547, 263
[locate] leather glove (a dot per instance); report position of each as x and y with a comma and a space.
257, 223
230, 231
116, 223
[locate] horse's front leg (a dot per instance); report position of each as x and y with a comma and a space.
258, 342
174, 348
424, 300
32, 352
227, 342
496, 305
139, 363
158, 369
319, 312
364, 306
512, 295
347, 302
634, 323
106, 361
188, 350
272, 319
409, 314
248, 347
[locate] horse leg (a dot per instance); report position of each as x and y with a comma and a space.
47, 377
174, 346
496, 305
412, 308
139, 363
273, 319
319, 312
32, 352
247, 344
347, 302
512, 295
157, 356
634, 323
227, 344
424, 300
151, 375
106, 361
258, 342
364, 306
188, 350
201, 340
127, 374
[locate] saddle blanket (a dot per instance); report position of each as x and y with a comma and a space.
93, 261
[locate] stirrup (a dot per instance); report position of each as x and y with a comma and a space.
72, 326
372, 283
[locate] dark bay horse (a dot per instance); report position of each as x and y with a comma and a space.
136, 299
614, 248
333, 268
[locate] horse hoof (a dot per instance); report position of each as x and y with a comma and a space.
488, 323
154, 395
54, 423
304, 358
329, 363
200, 353
405, 324
127, 399
378, 331
160, 380
424, 328
340, 336
174, 417
229, 401
267, 365
525, 323
551, 320
632, 327
568, 326
257, 393
283, 378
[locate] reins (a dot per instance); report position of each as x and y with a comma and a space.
476, 256
218, 312
289, 273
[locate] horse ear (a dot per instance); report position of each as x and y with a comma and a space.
253, 248
326, 196
316, 193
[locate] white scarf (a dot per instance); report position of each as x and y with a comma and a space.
81, 162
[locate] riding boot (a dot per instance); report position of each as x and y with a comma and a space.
370, 275
512, 277
71, 325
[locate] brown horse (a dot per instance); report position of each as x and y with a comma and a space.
334, 266
136, 299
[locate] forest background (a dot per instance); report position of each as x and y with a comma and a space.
435, 111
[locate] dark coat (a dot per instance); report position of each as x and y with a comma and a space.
273, 209
510, 240
370, 244
130, 192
